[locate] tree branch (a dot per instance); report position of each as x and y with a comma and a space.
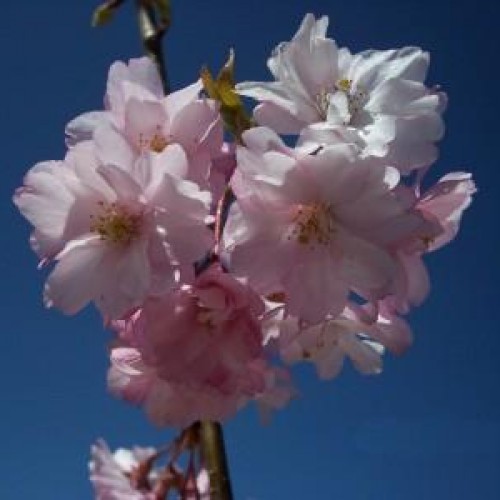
152, 32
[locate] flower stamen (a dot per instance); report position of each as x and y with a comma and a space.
314, 223
115, 223
344, 85
156, 143
356, 99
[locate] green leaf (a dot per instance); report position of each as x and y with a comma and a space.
222, 90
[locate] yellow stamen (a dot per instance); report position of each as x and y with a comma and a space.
344, 85
115, 224
157, 142
314, 223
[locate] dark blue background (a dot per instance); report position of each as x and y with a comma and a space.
427, 428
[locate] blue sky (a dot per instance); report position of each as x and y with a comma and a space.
428, 427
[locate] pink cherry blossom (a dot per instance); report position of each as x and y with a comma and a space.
165, 403
328, 344
355, 334
445, 203
314, 227
442, 206
181, 404
196, 353
132, 475
110, 472
116, 236
140, 120
376, 99
207, 334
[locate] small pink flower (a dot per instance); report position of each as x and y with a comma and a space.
314, 227
196, 353
354, 334
442, 207
110, 473
203, 335
117, 236
141, 120
445, 203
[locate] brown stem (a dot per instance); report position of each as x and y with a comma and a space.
214, 458
151, 34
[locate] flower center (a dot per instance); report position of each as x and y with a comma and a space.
156, 142
313, 223
327, 338
356, 99
115, 223
344, 85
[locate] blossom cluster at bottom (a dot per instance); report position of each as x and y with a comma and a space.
132, 475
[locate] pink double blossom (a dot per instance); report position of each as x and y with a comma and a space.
140, 120
180, 404
195, 353
204, 335
314, 227
376, 99
116, 236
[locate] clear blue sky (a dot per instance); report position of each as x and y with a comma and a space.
427, 428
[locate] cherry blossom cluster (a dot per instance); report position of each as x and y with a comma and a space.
218, 264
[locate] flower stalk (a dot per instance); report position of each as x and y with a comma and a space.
215, 460
152, 26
